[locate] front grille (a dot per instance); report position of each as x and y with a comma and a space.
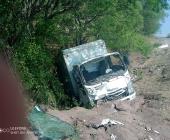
117, 91
121, 93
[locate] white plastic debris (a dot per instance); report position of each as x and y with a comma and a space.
150, 138
149, 129
109, 121
113, 137
105, 123
156, 131
38, 108
163, 46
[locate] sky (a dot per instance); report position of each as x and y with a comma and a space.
165, 25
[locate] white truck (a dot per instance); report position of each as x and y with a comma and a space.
93, 74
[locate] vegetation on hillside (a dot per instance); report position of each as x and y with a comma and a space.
34, 30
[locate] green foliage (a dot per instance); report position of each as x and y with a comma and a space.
36, 67
120, 28
19, 18
120, 23
153, 11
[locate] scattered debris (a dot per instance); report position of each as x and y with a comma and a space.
113, 137
38, 108
105, 123
156, 131
163, 46
150, 138
108, 121
118, 109
149, 129
93, 135
41, 108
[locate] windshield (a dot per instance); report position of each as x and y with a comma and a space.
102, 66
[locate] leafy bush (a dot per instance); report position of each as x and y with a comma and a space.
35, 65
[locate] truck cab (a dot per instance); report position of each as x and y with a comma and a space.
97, 75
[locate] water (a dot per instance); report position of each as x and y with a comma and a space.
48, 127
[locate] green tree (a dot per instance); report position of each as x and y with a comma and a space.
19, 18
153, 12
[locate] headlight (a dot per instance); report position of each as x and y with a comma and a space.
91, 91
130, 88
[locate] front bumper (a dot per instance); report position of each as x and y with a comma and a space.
129, 97
121, 94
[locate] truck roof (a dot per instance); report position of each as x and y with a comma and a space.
82, 53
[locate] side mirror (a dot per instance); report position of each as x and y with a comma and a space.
126, 60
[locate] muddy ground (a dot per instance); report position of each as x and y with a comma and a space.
147, 117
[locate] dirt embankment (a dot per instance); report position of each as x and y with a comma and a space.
145, 118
